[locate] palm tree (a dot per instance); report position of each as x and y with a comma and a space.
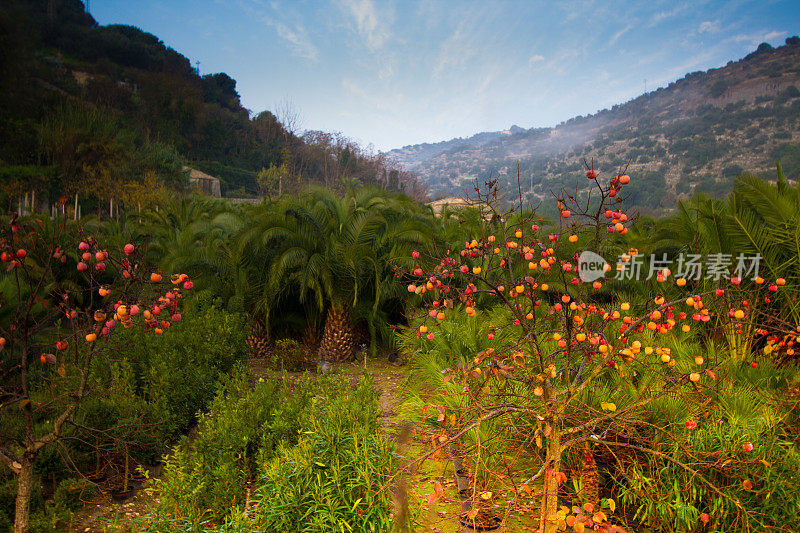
197, 235
334, 253
765, 220
759, 218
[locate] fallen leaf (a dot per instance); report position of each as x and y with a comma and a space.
608, 406
437, 492
747, 484
486, 495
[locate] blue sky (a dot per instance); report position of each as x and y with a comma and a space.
393, 73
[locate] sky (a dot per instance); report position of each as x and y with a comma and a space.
398, 72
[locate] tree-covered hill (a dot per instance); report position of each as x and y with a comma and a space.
96, 109
694, 135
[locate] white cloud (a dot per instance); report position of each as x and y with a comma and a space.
295, 35
619, 34
773, 35
456, 51
535, 59
663, 15
298, 40
709, 27
758, 38
466, 44
368, 23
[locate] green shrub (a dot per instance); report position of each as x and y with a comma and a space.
335, 478
73, 492
289, 355
177, 374
206, 478
319, 461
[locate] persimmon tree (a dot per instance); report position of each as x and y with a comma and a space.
64, 295
559, 337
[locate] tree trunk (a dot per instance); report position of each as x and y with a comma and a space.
24, 489
337, 339
590, 477
550, 489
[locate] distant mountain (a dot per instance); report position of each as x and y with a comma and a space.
693, 136
412, 156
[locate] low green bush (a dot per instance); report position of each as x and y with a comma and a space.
205, 478
335, 478
307, 457
177, 374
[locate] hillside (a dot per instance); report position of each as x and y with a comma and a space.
93, 110
693, 136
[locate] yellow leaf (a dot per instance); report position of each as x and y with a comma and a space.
765, 463
608, 406
473, 513
440, 417
612, 505
578, 527
486, 495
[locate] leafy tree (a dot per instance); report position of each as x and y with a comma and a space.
53, 324
518, 344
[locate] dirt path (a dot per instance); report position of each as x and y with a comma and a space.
112, 516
